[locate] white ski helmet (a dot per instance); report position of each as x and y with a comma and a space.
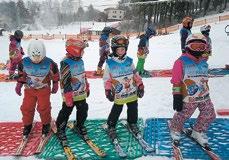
196, 44
36, 51
205, 28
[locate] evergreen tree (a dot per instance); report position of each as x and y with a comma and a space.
23, 15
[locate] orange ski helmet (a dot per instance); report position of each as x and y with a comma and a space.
75, 47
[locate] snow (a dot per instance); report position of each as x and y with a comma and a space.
157, 102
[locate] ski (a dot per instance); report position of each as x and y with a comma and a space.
177, 154
207, 149
67, 150
145, 146
88, 141
23, 143
117, 146
176, 150
43, 140
69, 154
22, 146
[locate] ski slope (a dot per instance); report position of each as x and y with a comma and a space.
157, 102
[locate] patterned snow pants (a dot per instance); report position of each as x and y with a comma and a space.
206, 116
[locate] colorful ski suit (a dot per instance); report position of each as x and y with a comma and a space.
121, 77
15, 54
73, 80
37, 80
104, 50
143, 51
191, 75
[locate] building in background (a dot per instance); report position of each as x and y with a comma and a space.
114, 14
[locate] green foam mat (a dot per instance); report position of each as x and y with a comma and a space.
81, 150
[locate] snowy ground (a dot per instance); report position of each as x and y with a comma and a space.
157, 102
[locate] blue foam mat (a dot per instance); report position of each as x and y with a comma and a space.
157, 134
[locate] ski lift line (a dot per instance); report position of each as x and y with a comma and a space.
103, 1
104, 5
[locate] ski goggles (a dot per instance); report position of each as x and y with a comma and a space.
197, 46
122, 41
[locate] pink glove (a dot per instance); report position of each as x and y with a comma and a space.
69, 99
18, 88
55, 87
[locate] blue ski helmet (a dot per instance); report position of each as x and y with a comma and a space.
107, 30
150, 31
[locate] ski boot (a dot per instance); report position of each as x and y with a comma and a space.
61, 135
200, 137
175, 135
111, 131
134, 128
82, 130
144, 73
45, 129
26, 131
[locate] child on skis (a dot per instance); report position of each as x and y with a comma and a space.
15, 52
143, 50
191, 91
122, 85
36, 72
205, 30
75, 89
104, 47
185, 31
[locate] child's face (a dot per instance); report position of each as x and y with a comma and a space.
37, 58
120, 51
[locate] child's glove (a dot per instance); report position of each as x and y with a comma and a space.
18, 88
88, 89
88, 93
177, 102
69, 99
55, 87
109, 95
140, 91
